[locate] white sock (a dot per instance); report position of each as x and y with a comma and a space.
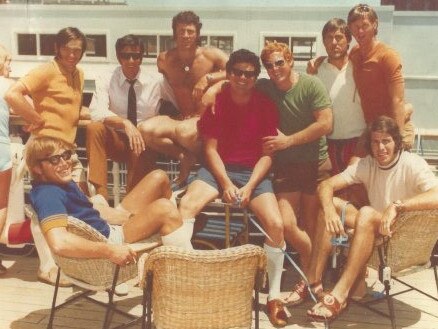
178, 238
275, 270
43, 249
189, 224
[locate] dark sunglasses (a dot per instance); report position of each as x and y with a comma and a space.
246, 74
270, 66
56, 159
134, 56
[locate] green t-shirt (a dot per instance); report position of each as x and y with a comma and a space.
296, 107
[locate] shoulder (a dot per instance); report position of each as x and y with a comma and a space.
387, 53
46, 69
413, 160
264, 83
212, 53
310, 81
43, 193
260, 98
146, 77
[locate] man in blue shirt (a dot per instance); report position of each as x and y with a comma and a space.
146, 210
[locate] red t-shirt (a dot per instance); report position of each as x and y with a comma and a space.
239, 129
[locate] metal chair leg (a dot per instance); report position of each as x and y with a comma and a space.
390, 304
110, 305
149, 299
436, 277
55, 294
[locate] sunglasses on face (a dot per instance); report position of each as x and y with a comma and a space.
56, 159
134, 56
246, 74
270, 66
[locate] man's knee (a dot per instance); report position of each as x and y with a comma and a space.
95, 129
190, 206
186, 130
274, 225
167, 212
159, 178
368, 218
147, 128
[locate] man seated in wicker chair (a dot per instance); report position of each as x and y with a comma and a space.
395, 181
146, 210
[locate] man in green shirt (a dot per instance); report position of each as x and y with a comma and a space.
301, 158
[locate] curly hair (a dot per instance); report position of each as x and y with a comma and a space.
243, 56
186, 17
273, 47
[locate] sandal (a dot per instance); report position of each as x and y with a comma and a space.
300, 293
328, 303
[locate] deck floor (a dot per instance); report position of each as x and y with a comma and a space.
25, 304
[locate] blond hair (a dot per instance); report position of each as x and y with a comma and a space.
274, 47
39, 148
5, 56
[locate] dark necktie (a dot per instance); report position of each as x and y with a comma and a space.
132, 103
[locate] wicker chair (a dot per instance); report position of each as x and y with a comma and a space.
414, 237
94, 274
202, 289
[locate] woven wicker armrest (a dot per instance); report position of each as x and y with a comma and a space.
415, 234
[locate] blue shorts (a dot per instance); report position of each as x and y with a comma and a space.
239, 176
5, 156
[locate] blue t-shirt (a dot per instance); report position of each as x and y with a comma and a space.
53, 203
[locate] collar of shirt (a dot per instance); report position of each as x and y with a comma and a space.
63, 71
122, 79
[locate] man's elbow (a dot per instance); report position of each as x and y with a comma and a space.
327, 126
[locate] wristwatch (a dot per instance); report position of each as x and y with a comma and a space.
399, 206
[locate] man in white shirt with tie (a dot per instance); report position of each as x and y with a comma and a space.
123, 99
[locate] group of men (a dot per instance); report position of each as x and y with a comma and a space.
251, 127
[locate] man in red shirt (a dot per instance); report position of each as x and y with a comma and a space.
236, 166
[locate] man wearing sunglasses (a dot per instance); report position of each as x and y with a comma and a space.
189, 70
146, 210
236, 166
124, 98
301, 158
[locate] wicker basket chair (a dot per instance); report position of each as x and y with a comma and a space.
411, 245
202, 289
93, 275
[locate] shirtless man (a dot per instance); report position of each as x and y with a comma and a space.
190, 70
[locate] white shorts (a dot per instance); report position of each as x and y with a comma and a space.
116, 235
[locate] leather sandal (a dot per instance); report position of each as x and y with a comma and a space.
328, 303
276, 313
300, 293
